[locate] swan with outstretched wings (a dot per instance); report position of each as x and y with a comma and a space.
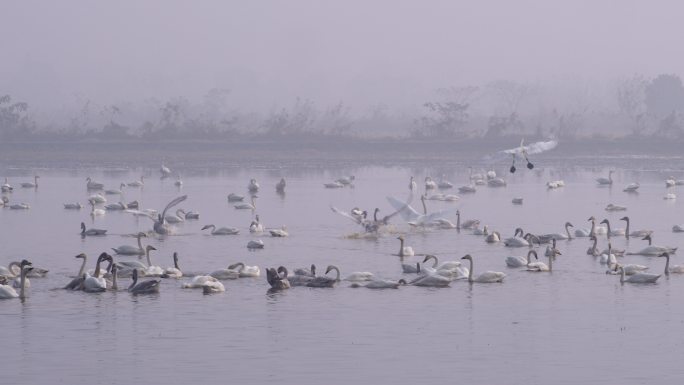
522, 152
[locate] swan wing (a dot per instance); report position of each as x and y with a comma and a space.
173, 203
345, 214
407, 212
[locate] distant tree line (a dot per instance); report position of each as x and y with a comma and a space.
637, 107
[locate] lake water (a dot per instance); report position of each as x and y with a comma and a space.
573, 325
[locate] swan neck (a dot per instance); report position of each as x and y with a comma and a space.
147, 255
23, 283
97, 268
140, 242
135, 280
401, 247
470, 273
115, 272
422, 200
627, 228
82, 270
667, 264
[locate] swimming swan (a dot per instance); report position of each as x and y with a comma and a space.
486, 277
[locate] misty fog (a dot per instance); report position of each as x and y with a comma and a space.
172, 69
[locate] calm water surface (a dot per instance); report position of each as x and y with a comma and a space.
576, 324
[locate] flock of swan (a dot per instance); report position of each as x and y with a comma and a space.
145, 277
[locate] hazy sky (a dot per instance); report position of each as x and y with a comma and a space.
359, 51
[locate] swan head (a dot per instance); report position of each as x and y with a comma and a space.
647, 238
82, 255
236, 265
150, 248
282, 270
666, 255
468, 257
591, 218
604, 221
429, 257
402, 282
207, 227
331, 268
401, 237
625, 219
568, 224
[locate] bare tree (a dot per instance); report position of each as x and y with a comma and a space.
631, 96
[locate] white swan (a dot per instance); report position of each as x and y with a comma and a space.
115, 191
444, 184
404, 251
516, 241
541, 266
638, 277
632, 187
93, 211
606, 181
359, 276
175, 271
178, 217
7, 292
72, 206
190, 215
95, 283
245, 271
137, 183
486, 277
450, 269
670, 196
6, 187
676, 269
431, 280
165, 171
232, 197
468, 189
678, 229
613, 232
378, 283
516, 261
654, 250
608, 258
221, 230
551, 250
152, 270
558, 236
213, 287
131, 250
258, 244
635, 233
554, 184
33, 184
333, 185
279, 233
253, 186
199, 281
494, 237
119, 206
256, 226
496, 182
612, 207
